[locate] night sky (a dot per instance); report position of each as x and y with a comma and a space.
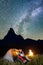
24, 16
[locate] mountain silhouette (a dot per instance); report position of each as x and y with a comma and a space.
11, 36
12, 40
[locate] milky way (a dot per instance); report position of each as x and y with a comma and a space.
24, 16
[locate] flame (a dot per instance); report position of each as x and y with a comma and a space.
30, 53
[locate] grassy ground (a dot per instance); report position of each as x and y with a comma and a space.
36, 60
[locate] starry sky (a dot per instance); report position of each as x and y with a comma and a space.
24, 16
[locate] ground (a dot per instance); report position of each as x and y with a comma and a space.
36, 60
